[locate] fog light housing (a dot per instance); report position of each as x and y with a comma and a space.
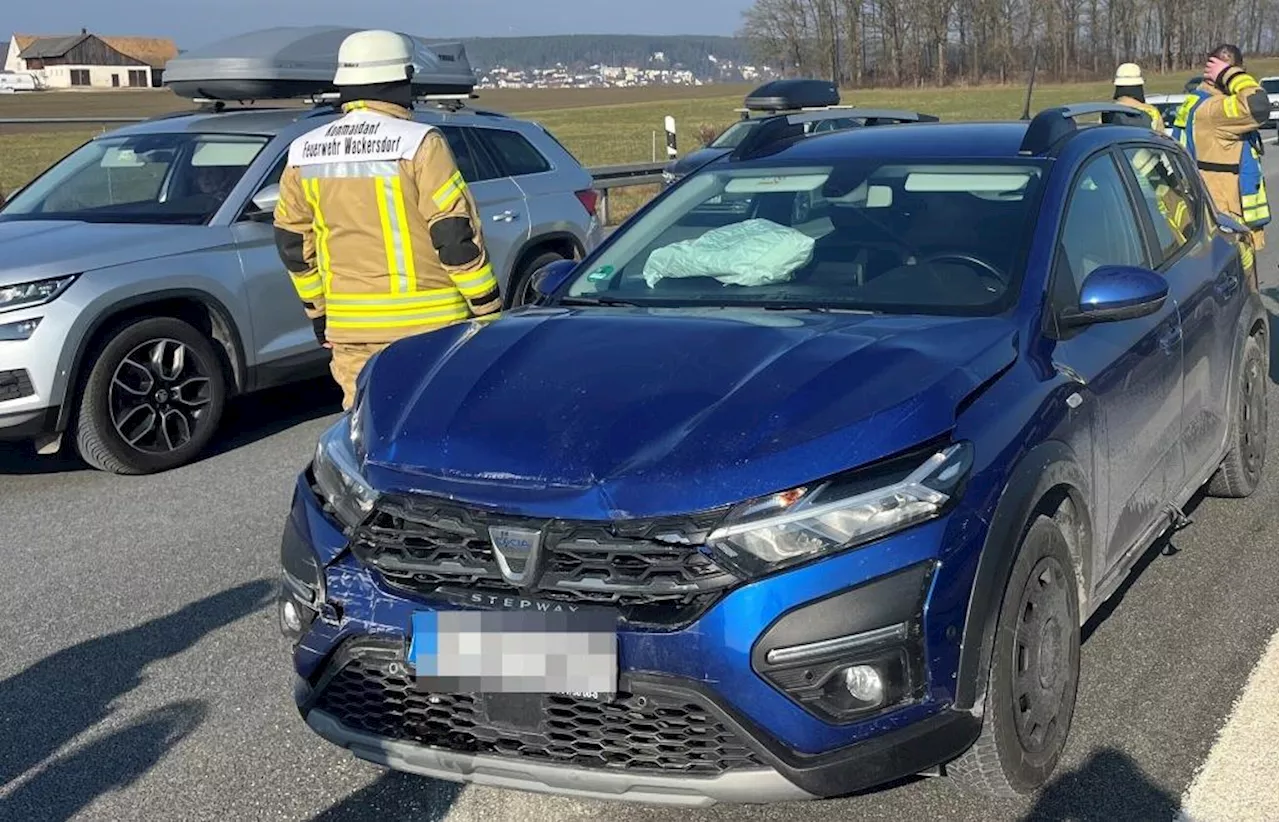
864, 684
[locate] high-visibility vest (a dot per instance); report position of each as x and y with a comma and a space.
1253, 189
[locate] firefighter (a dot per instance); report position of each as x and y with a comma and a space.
1130, 91
1154, 168
375, 224
1218, 125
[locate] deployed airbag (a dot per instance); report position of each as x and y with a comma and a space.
752, 252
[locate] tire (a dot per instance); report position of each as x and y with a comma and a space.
1241, 471
1035, 670
521, 282
150, 371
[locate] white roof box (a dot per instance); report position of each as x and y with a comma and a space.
299, 62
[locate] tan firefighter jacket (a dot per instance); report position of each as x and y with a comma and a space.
378, 230
1220, 127
1157, 122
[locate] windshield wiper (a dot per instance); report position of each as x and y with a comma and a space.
596, 301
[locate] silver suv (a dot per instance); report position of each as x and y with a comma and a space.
140, 287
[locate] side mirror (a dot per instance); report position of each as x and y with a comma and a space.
1118, 292
264, 203
1230, 225
548, 279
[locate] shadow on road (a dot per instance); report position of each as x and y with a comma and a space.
1109, 786
245, 421
70, 692
396, 796
71, 782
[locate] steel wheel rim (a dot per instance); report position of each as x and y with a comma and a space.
159, 394
1253, 413
1042, 663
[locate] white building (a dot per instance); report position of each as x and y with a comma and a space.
87, 60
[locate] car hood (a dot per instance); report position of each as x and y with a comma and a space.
614, 413
38, 249
695, 160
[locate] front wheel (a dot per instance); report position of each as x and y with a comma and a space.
1241, 471
1035, 668
152, 400
521, 292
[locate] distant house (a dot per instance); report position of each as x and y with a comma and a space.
87, 60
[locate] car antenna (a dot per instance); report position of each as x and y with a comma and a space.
1026, 106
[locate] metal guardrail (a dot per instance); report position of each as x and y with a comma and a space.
606, 178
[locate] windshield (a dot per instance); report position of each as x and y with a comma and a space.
151, 178
944, 237
1271, 85
734, 134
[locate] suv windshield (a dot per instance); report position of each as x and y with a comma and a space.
935, 237
150, 178
1271, 85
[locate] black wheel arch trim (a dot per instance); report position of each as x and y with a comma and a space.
1047, 466
75, 375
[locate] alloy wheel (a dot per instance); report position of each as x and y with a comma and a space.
158, 395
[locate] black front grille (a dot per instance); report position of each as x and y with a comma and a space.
651, 570
15, 385
635, 733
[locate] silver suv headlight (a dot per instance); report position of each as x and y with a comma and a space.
26, 295
837, 514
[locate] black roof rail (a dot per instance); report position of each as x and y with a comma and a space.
1053, 125
778, 128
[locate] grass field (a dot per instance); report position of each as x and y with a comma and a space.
600, 126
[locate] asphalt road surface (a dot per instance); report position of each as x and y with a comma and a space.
142, 675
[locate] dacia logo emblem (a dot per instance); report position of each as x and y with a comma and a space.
516, 550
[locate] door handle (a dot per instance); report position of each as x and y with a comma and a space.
505, 217
1170, 338
1226, 287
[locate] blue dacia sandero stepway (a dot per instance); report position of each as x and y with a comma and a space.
805, 480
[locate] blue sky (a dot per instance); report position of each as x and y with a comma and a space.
194, 22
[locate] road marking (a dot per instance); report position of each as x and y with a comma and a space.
1237, 782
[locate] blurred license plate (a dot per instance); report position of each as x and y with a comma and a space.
515, 652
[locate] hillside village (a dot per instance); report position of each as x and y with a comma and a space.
604, 76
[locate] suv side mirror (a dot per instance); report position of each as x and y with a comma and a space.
1118, 292
548, 279
264, 203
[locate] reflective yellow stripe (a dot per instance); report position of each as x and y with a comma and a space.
308, 286
484, 318
431, 294
414, 318
449, 193
403, 236
388, 237
382, 308
1231, 106
1240, 81
476, 283
311, 190
1246, 255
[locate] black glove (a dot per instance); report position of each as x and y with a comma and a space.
317, 325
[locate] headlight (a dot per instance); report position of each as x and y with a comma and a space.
338, 478
832, 515
25, 295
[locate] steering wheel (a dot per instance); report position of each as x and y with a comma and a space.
956, 256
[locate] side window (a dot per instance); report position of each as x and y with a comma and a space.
1100, 227
473, 165
513, 152
1168, 196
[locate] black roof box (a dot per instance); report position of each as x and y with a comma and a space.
296, 62
789, 95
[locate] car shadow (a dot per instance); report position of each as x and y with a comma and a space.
246, 420
69, 692
1108, 786
73, 781
413, 797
